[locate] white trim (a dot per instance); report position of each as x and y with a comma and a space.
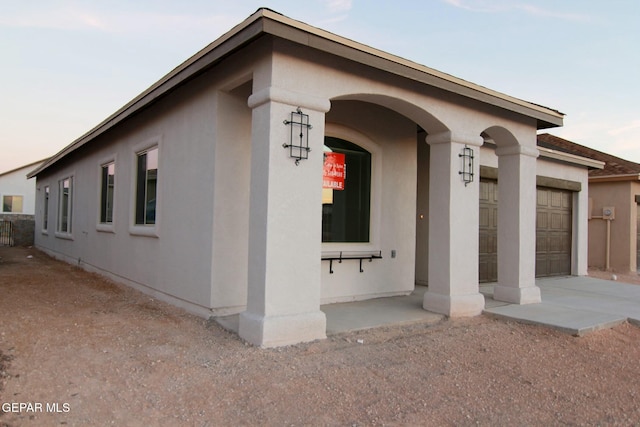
67, 235
107, 227
570, 158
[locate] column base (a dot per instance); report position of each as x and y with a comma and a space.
454, 305
515, 295
277, 331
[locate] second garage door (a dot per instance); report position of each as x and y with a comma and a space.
553, 232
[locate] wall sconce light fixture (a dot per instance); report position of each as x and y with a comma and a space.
299, 137
467, 165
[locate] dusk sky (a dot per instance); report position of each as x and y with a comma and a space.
68, 65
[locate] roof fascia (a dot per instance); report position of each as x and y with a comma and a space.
616, 178
570, 158
265, 21
322, 40
22, 167
241, 34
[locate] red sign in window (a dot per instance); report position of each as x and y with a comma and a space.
334, 171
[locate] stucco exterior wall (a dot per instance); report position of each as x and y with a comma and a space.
623, 228
172, 259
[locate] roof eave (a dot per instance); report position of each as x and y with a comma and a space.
570, 158
266, 21
615, 178
239, 35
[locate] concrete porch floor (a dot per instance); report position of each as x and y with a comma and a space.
576, 305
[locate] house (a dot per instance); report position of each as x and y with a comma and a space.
614, 200
283, 167
18, 195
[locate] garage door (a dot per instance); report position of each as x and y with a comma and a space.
488, 239
553, 232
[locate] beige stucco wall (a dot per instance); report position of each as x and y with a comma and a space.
623, 228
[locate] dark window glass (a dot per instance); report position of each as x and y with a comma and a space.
45, 220
346, 212
65, 205
106, 196
146, 185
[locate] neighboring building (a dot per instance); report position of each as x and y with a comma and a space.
614, 198
18, 197
197, 191
17, 192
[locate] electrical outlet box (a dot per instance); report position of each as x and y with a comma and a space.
608, 212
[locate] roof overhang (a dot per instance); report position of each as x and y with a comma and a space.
27, 166
615, 178
570, 158
265, 21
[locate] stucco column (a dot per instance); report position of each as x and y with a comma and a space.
285, 224
453, 228
517, 225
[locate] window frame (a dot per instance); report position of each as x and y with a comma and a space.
68, 233
12, 196
351, 206
355, 137
107, 227
46, 197
148, 230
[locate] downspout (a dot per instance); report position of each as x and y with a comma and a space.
608, 246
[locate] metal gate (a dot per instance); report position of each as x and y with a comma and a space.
6, 233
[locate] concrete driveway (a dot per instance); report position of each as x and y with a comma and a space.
577, 305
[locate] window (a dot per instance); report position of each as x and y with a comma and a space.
12, 204
346, 193
45, 219
146, 186
106, 192
65, 204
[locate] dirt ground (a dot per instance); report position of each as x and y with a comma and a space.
91, 352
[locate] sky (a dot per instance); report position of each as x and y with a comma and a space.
66, 65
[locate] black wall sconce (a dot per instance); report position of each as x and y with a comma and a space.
299, 137
467, 165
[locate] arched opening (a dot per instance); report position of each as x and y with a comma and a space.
381, 141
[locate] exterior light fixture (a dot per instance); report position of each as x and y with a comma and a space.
467, 165
299, 136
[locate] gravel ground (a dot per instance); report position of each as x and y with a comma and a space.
96, 353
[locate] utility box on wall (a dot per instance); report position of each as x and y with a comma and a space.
608, 212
